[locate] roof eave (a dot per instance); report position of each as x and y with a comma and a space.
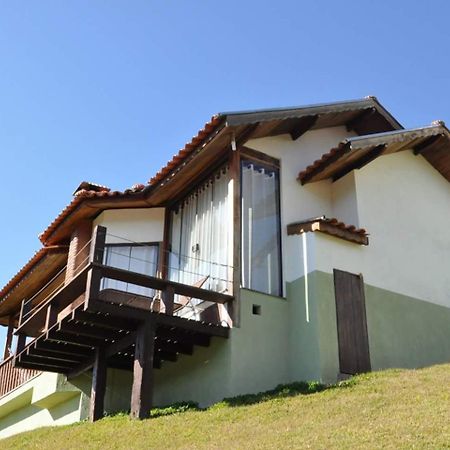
236, 118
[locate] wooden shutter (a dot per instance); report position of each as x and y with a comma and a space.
353, 340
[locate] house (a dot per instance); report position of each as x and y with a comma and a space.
278, 245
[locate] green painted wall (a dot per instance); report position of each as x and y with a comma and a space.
45, 400
118, 389
404, 331
253, 359
313, 343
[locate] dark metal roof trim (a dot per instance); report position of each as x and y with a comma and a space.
235, 118
390, 137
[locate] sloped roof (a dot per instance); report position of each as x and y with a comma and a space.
46, 261
79, 198
363, 116
432, 142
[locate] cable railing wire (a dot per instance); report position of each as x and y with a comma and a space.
176, 269
141, 244
213, 267
54, 278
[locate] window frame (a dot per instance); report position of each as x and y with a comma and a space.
139, 244
248, 155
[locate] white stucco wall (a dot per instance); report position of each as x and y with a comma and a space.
344, 200
137, 225
404, 204
400, 199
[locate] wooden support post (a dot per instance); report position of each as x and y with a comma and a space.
168, 295
94, 275
25, 308
142, 390
21, 341
51, 315
94, 278
98, 245
165, 248
98, 386
9, 335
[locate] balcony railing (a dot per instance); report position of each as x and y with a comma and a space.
93, 281
12, 377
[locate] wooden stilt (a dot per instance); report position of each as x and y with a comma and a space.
142, 390
98, 386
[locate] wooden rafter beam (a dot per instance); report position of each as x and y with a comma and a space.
360, 162
419, 148
302, 125
364, 115
312, 172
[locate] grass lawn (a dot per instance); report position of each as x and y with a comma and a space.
391, 409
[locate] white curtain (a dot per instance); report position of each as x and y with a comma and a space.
200, 238
260, 229
135, 258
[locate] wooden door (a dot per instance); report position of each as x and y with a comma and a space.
353, 341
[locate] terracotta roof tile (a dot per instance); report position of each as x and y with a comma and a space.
333, 227
343, 226
79, 197
334, 153
187, 150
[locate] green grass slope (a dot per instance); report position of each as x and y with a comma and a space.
391, 409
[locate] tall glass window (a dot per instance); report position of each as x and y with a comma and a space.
200, 237
260, 244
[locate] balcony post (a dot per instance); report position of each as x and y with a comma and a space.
96, 255
9, 335
168, 296
25, 308
98, 245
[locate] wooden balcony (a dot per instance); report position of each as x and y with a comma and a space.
83, 326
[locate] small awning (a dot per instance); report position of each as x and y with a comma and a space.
330, 226
432, 142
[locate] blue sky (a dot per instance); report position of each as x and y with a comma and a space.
108, 91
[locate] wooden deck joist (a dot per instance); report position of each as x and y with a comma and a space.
71, 342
